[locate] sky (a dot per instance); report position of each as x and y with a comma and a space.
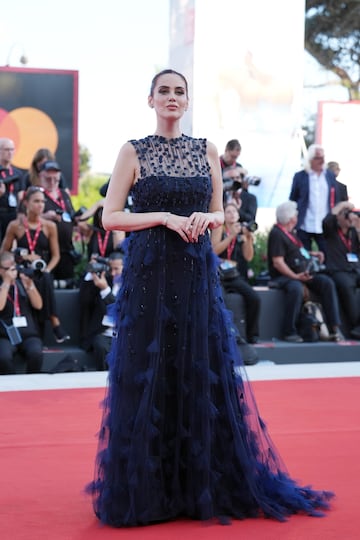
116, 46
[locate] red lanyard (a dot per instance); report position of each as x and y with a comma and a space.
15, 301
3, 175
346, 241
103, 245
32, 241
293, 238
59, 201
231, 246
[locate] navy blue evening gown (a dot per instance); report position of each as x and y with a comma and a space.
181, 435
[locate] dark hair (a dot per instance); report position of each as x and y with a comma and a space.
31, 190
167, 72
233, 145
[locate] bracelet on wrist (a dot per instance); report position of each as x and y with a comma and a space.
31, 288
5, 286
166, 218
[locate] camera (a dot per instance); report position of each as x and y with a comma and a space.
314, 266
73, 215
8, 179
98, 265
234, 185
251, 226
353, 211
29, 268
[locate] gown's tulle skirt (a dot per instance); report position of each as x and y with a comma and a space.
181, 435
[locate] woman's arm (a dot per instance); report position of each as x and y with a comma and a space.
125, 173
54, 249
247, 244
10, 236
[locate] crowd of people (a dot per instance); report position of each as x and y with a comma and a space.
38, 220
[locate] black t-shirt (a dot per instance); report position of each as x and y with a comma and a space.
26, 310
281, 245
338, 246
13, 187
65, 228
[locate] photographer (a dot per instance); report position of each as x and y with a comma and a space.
98, 290
59, 209
37, 254
234, 244
288, 266
341, 229
18, 331
236, 183
11, 185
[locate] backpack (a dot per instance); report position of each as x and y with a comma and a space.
311, 324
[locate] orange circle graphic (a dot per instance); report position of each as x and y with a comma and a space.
30, 129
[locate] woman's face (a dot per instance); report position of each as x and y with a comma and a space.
169, 98
231, 214
36, 203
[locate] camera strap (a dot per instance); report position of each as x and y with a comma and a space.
346, 241
102, 244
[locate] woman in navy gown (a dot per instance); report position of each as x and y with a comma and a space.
180, 435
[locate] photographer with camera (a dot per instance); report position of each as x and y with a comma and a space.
236, 183
37, 254
11, 185
341, 229
289, 270
97, 291
59, 209
19, 298
234, 244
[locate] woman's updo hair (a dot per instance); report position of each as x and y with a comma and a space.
167, 72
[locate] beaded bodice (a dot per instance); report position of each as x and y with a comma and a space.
174, 175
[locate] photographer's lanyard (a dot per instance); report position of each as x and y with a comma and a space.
32, 241
231, 246
291, 237
346, 241
10, 186
59, 201
15, 301
103, 244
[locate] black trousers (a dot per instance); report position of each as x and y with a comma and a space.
346, 285
307, 237
252, 303
30, 348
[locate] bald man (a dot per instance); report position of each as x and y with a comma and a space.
11, 185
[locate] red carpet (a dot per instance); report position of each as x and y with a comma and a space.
48, 445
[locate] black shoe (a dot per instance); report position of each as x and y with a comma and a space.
355, 332
336, 336
293, 338
60, 334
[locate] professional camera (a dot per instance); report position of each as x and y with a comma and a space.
234, 185
251, 226
353, 211
71, 217
29, 268
8, 179
314, 266
98, 265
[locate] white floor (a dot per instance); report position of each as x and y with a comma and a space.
263, 371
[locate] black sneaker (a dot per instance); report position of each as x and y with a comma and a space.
60, 334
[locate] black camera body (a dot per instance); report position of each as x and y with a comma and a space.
99, 265
314, 266
29, 268
235, 185
347, 212
251, 226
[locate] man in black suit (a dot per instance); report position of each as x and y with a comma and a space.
11, 185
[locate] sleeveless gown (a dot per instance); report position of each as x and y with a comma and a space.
181, 435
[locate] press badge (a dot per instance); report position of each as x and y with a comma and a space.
352, 257
19, 322
304, 252
108, 321
12, 202
66, 217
